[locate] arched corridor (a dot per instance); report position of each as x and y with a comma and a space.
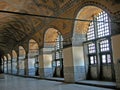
73, 41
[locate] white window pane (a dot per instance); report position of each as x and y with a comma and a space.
103, 59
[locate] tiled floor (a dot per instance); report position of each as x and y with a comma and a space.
98, 83
20, 83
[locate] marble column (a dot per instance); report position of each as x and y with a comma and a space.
116, 57
115, 38
45, 64
68, 65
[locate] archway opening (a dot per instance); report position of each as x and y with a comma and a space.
21, 60
33, 61
53, 55
14, 62
5, 64
94, 37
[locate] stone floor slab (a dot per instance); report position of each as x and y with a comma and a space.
21, 83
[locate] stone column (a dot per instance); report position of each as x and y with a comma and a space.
79, 63
116, 57
41, 64
74, 67
73, 59
26, 64
68, 64
115, 39
45, 64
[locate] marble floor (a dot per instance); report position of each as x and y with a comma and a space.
21, 83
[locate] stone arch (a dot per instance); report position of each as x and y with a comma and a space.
14, 62
25, 46
33, 42
33, 60
94, 4
21, 61
81, 15
22, 52
36, 39
52, 38
9, 56
33, 47
52, 27
50, 35
14, 54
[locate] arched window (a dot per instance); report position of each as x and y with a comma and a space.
95, 38
58, 47
33, 61
99, 49
98, 38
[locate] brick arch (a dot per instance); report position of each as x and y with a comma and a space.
25, 46
36, 43
24, 52
35, 39
81, 27
93, 3
5, 57
9, 56
14, 54
97, 4
51, 26
53, 35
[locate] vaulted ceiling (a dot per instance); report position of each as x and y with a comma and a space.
15, 28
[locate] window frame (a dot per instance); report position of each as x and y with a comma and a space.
98, 38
